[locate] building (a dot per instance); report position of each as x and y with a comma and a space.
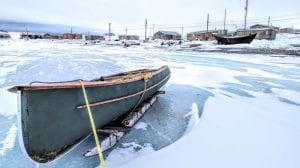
29, 35
52, 36
129, 37
4, 34
297, 31
167, 35
94, 37
72, 36
286, 30
201, 35
261, 26
261, 33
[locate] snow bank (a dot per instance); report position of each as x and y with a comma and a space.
233, 133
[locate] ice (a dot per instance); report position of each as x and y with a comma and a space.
194, 118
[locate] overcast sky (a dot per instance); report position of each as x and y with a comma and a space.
165, 13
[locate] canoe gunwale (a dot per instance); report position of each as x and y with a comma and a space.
87, 84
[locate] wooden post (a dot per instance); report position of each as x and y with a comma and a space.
146, 25
182, 32
225, 20
207, 22
109, 31
246, 13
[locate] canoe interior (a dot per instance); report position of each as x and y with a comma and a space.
50, 122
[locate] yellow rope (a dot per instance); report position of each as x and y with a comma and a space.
93, 125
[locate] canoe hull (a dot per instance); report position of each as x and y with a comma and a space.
52, 123
235, 40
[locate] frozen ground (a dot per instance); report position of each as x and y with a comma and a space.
219, 110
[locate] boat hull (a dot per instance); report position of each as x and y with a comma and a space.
55, 119
235, 40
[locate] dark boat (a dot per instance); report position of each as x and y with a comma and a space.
53, 116
234, 39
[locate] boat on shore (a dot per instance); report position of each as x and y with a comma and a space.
234, 39
53, 116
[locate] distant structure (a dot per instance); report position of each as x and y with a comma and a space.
204, 35
261, 26
167, 35
52, 36
94, 37
30, 35
286, 30
297, 31
4, 34
264, 33
72, 36
129, 37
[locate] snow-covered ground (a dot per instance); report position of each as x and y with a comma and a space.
219, 110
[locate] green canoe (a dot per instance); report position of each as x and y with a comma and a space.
53, 116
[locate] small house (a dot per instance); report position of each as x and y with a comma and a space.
52, 36
286, 30
201, 35
72, 36
167, 35
297, 31
29, 35
94, 37
4, 34
261, 26
261, 33
129, 37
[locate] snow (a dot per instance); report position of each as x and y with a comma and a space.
238, 132
242, 110
141, 125
9, 141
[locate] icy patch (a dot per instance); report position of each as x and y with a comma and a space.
194, 118
128, 152
287, 94
141, 125
9, 141
8, 103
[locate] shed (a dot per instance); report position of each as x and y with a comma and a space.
129, 37
4, 34
72, 36
52, 36
261, 26
261, 33
29, 35
167, 35
94, 37
201, 35
286, 30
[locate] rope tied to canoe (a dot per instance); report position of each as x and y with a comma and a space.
92, 122
145, 77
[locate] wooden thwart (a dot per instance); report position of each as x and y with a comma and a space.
115, 131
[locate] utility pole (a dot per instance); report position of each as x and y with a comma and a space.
246, 13
150, 34
71, 30
225, 20
269, 20
109, 31
153, 28
26, 33
146, 25
207, 22
182, 32
126, 31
